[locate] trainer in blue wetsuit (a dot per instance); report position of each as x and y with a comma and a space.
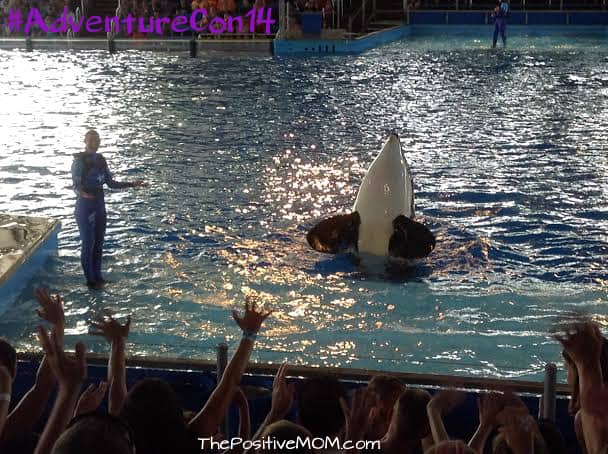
500, 16
89, 173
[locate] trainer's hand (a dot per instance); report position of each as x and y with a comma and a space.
140, 184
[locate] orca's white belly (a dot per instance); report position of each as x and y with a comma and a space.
374, 237
385, 193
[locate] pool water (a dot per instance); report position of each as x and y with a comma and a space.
244, 155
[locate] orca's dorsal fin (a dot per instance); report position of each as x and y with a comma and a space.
335, 234
410, 239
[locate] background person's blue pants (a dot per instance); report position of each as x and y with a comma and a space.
500, 27
91, 220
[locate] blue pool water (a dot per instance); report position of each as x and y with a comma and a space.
508, 150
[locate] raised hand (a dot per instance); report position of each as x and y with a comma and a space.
583, 342
51, 308
446, 400
111, 330
91, 398
45, 376
357, 417
70, 373
282, 395
253, 319
489, 406
519, 429
239, 398
5, 379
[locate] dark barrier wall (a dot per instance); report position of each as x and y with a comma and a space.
194, 389
516, 18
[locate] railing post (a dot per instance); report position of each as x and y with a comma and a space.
281, 18
222, 362
548, 410
193, 47
363, 17
111, 44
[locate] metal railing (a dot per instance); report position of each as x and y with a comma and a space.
365, 12
84, 8
515, 5
71, 34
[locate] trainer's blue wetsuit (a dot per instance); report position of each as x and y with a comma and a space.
500, 23
89, 173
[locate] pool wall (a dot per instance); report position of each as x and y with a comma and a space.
529, 23
340, 46
195, 382
570, 18
263, 46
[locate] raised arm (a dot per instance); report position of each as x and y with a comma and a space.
583, 342
70, 374
206, 422
282, 400
358, 415
442, 403
489, 405
116, 334
27, 412
5, 395
112, 183
244, 421
91, 399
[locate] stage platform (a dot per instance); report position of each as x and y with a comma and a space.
25, 245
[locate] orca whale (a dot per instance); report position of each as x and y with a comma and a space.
382, 220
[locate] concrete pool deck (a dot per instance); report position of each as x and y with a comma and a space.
26, 243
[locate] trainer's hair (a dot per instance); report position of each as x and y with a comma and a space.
91, 132
8, 356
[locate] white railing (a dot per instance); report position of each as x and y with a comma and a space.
71, 34
112, 33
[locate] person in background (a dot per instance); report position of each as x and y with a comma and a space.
500, 15
89, 173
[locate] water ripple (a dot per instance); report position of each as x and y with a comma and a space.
244, 154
